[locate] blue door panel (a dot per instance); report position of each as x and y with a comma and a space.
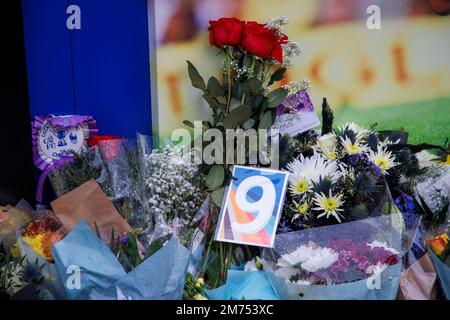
111, 65
48, 56
101, 69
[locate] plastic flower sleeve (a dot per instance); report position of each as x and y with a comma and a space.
419, 280
160, 276
322, 260
173, 190
443, 272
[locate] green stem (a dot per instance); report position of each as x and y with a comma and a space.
229, 78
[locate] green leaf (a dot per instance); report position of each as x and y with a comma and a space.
217, 196
133, 250
252, 86
188, 123
215, 88
237, 117
196, 79
234, 103
276, 97
277, 75
215, 177
255, 101
247, 61
266, 120
211, 101
238, 90
213, 271
249, 124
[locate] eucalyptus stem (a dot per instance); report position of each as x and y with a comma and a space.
229, 78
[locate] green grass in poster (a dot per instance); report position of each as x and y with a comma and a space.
427, 121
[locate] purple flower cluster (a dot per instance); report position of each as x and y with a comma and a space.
405, 203
354, 260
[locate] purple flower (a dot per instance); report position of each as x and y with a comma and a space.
405, 203
123, 239
284, 226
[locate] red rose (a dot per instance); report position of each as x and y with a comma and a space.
108, 145
94, 140
263, 42
226, 32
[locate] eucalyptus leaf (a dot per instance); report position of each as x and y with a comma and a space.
255, 101
249, 124
188, 123
276, 97
234, 103
211, 101
266, 120
215, 88
252, 86
196, 79
277, 75
238, 90
237, 117
217, 196
215, 177
247, 61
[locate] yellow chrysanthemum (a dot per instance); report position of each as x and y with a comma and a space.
37, 243
303, 208
330, 205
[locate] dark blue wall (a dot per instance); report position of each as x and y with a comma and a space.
101, 70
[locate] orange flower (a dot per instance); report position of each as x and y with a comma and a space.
439, 244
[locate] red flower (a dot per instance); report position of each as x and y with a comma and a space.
226, 32
263, 42
108, 145
94, 140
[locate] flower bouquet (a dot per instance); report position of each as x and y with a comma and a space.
354, 260
25, 255
337, 176
441, 259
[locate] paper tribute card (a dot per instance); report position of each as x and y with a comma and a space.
252, 206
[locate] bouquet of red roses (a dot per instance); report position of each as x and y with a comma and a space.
256, 56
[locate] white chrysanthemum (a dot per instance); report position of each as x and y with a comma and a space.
326, 145
380, 244
330, 205
386, 142
351, 148
359, 131
382, 159
307, 170
307, 258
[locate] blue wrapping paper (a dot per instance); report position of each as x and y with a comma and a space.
443, 272
357, 290
241, 285
161, 276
